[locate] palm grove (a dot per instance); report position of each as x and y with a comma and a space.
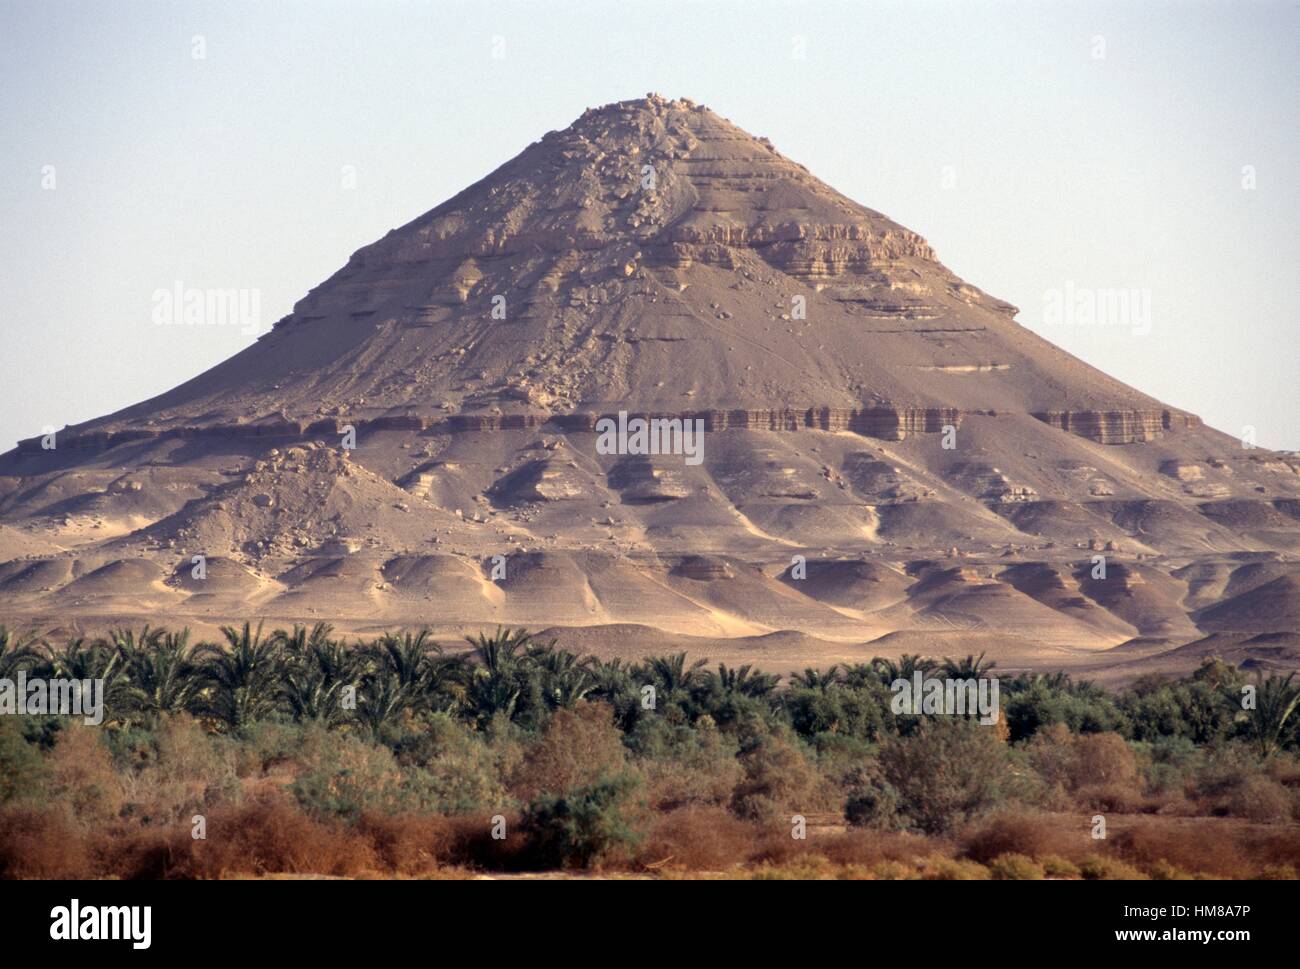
595, 762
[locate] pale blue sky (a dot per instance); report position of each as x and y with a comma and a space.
225, 172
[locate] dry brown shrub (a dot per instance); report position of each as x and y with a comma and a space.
1103, 868
1051, 752
853, 850
80, 776
1112, 799
1285, 769
1264, 847
1014, 866
125, 851
1278, 873
577, 748
1225, 849
894, 871
778, 783
408, 845
1100, 768
815, 867
1210, 847
279, 838
699, 839
872, 847
1163, 871
42, 844
941, 869
1171, 804
262, 839
1103, 758
470, 844
774, 845
1054, 866
1259, 799
1036, 835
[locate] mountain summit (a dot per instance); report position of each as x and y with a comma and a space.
887, 452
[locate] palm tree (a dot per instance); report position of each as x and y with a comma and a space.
1057, 680
162, 672
490, 694
126, 640
615, 683
19, 651
678, 687
908, 665
612, 677
298, 641
319, 677
1276, 699
671, 675
418, 663
566, 677
746, 681
242, 682
820, 680
383, 701
497, 682
101, 661
499, 653
859, 675
971, 668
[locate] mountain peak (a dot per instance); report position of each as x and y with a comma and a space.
652, 255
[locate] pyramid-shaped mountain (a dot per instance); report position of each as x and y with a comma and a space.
888, 461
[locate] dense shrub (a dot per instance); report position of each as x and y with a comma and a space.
1259, 799
779, 780
21, 767
586, 826
451, 769
348, 777
838, 709
574, 749
1015, 867
39, 843
177, 770
876, 804
698, 839
80, 776
1197, 710
685, 765
948, 773
1035, 834
1078, 708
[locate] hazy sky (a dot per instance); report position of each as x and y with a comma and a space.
1036, 146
